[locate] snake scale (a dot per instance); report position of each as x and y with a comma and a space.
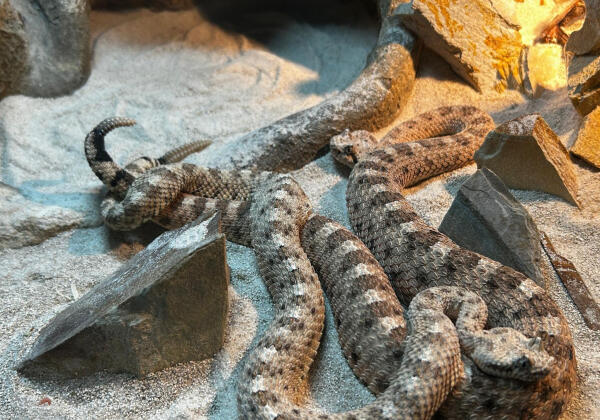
522, 366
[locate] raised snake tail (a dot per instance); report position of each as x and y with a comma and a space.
181, 152
112, 175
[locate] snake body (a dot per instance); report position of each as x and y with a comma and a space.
271, 213
416, 256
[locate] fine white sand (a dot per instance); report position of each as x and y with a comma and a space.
185, 76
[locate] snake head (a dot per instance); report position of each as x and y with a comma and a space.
349, 146
507, 353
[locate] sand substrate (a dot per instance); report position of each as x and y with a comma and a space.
186, 76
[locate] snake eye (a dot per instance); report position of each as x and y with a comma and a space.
524, 362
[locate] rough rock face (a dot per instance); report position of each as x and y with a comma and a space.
166, 305
584, 83
526, 154
587, 39
44, 46
486, 218
587, 145
533, 17
13, 62
481, 46
24, 223
481, 39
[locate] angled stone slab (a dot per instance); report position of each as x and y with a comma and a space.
166, 305
486, 218
526, 154
587, 145
584, 83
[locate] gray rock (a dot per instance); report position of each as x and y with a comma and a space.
584, 83
528, 155
13, 49
24, 223
578, 290
44, 46
487, 219
166, 305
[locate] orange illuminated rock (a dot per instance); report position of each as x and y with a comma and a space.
587, 39
526, 154
547, 70
479, 44
584, 83
587, 145
483, 39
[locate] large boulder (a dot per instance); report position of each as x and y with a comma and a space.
44, 46
483, 40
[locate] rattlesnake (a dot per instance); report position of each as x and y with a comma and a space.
157, 195
415, 256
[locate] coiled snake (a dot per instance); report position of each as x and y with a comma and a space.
505, 373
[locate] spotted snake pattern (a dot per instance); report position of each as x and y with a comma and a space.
293, 244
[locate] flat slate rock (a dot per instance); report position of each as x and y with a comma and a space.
526, 154
587, 145
486, 218
166, 305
